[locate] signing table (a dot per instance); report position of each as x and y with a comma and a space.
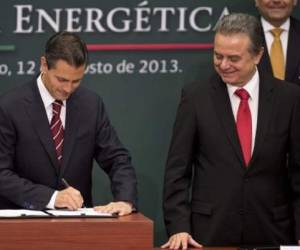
129, 232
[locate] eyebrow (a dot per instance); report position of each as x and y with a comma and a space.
76, 80
229, 56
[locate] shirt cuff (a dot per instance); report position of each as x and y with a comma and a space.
51, 204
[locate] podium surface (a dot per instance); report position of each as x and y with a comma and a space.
134, 231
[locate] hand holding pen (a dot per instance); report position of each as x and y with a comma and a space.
69, 197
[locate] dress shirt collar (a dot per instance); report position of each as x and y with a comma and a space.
267, 27
47, 98
251, 86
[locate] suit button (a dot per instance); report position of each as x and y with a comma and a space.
241, 211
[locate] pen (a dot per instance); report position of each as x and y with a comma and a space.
68, 185
65, 182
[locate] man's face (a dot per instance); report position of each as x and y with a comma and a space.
233, 60
62, 79
275, 11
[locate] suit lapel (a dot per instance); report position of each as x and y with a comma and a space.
38, 117
222, 103
71, 127
265, 105
265, 62
223, 107
293, 59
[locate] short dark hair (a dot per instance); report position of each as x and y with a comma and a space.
68, 47
236, 23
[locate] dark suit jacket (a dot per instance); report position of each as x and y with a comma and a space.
231, 204
29, 170
292, 70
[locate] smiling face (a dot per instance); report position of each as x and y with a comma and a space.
275, 12
233, 60
62, 79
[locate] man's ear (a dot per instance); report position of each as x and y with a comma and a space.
259, 55
44, 65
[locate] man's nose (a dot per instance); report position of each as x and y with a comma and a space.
224, 64
68, 87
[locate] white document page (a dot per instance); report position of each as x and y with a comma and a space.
289, 247
21, 212
79, 212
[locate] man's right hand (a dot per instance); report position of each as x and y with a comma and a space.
181, 241
69, 198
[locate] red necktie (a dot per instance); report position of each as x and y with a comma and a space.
244, 124
57, 129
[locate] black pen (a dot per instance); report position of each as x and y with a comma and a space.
67, 185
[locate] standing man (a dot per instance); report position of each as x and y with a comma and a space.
226, 180
51, 129
282, 39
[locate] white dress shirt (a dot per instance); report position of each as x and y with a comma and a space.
284, 37
48, 100
252, 88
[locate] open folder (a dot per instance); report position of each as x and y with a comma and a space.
82, 212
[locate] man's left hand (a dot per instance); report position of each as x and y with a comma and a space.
120, 207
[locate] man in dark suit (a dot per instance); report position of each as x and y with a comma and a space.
276, 14
226, 181
51, 129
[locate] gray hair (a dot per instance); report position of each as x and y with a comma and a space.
236, 23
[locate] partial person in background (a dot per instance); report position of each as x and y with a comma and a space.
226, 180
51, 130
282, 39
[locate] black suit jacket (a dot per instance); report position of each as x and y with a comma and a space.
292, 69
29, 170
230, 204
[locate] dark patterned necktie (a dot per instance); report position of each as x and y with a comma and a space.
244, 124
57, 129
